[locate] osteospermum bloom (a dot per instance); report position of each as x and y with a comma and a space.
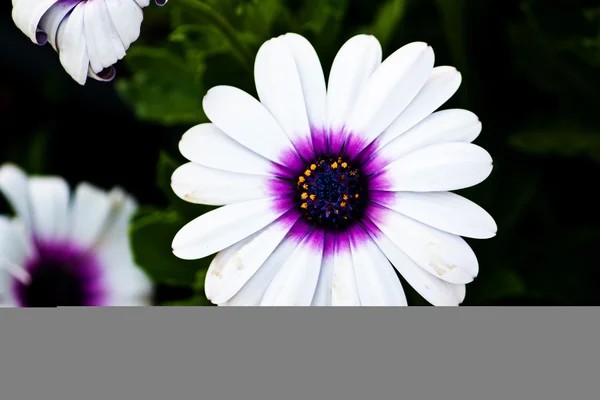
326, 190
66, 250
89, 36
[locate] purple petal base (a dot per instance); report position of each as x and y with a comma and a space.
322, 143
61, 263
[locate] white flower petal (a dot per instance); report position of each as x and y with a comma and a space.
391, 88
440, 127
202, 185
253, 291
89, 213
14, 185
15, 249
434, 290
440, 253
52, 19
27, 15
344, 291
442, 83
116, 228
207, 145
49, 201
72, 43
324, 290
350, 71
280, 90
247, 121
311, 77
296, 280
376, 280
233, 267
103, 42
13, 244
440, 167
220, 228
127, 284
446, 211
127, 18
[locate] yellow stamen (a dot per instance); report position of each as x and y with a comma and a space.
356, 195
307, 172
345, 197
313, 167
312, 197
344, 164
301, 179
304, 195
343, 204
305, 186
304, 205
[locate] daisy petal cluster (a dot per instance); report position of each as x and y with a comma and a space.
89, 36
66, 249
329, 191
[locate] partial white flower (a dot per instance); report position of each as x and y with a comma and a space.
89, 35
325, 190
64, 249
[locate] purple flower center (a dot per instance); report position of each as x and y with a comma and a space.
61, 274
332, 193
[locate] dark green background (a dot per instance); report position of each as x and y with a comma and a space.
531, 72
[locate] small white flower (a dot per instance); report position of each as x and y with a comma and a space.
89, 35
324, 189
63, 250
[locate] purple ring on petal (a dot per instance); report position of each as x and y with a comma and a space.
331, 190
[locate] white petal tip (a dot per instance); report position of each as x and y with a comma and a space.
181, 251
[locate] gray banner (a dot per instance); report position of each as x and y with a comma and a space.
218, 353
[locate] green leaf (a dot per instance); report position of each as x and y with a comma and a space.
319, 20
387, 20
494, 284
151, 238
164, 170
200, 278
199, 298
454, 24
164, 87
565, 142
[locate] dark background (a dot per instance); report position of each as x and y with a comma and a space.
531, 72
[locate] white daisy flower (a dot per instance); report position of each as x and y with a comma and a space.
89, 36
63, 250
326, 190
